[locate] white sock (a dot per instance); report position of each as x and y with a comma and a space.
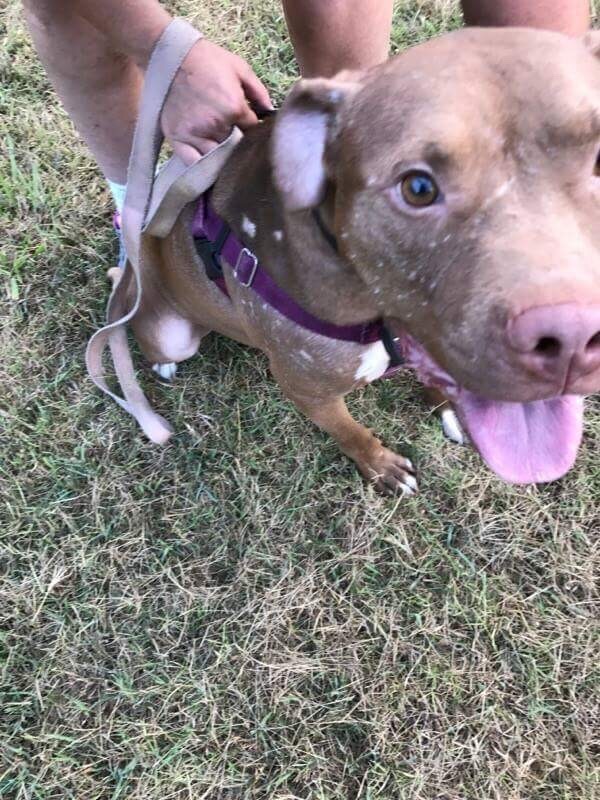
118, 191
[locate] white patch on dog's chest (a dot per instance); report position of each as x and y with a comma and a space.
176, 338
373, 363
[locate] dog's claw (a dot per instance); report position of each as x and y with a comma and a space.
392, 474
410, 485
165, 372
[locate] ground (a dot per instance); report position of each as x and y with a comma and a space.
236, 615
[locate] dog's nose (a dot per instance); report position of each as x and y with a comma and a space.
558, 342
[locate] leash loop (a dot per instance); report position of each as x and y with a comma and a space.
150, 207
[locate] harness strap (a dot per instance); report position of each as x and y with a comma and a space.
389, 342
215, 240
152, 211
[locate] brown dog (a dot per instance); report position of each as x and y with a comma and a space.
458, 197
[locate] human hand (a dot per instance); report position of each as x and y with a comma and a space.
210, 94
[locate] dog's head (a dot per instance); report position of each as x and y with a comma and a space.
464, 176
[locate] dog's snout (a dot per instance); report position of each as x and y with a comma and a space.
559, 341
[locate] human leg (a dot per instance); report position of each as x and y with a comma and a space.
331, 35
572, 17
98, 86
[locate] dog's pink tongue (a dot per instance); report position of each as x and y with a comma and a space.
524, 442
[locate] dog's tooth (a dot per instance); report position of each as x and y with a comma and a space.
452, 427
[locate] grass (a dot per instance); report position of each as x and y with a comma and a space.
236, 615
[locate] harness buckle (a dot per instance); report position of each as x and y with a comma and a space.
389, 342
210, 257
244, 279
210, 251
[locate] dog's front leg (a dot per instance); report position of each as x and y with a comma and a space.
388, 471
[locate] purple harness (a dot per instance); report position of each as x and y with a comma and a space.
214, 240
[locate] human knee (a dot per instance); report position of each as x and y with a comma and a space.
47, 14
89, 57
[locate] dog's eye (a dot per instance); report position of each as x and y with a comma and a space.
419, 189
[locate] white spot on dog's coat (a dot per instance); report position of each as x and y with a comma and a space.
501, 190
248, 227
165, 371
373, 363
176, 338
452, 427
278, 235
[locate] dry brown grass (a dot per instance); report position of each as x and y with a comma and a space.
236, 615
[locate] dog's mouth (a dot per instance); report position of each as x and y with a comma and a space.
532, 442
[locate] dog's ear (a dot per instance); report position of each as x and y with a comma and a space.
306, 124
592, 41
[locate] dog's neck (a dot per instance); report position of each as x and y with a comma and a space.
292, 246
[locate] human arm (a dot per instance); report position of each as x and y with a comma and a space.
213, 90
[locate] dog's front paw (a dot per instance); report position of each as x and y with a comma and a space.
390, 473
165, 372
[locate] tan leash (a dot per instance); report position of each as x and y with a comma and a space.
152, 207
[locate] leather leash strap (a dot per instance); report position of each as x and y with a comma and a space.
150, 207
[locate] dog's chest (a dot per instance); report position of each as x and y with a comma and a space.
373, 363
304, 353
